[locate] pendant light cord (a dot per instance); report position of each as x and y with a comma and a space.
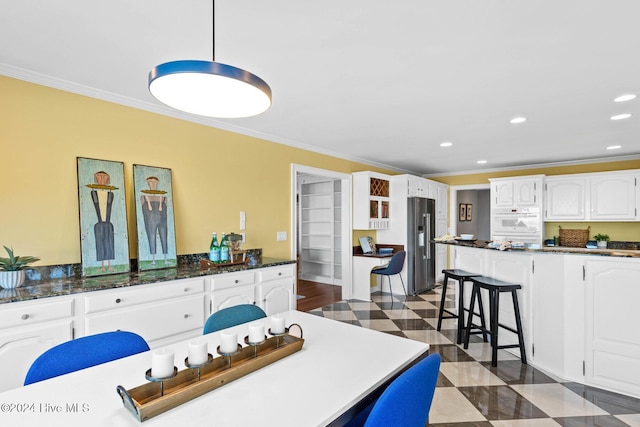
213, 30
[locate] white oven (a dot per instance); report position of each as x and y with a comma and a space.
517, 224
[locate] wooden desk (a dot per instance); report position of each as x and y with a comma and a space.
339, 365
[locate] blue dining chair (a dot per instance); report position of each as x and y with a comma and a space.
232, 316
406, 402
394, 267
84, 352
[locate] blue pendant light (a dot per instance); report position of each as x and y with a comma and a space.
209, 88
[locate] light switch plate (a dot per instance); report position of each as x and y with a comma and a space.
281, 235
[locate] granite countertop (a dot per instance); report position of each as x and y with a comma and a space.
482, 244
72, 284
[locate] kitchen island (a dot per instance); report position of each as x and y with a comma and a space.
577, 307
163, 306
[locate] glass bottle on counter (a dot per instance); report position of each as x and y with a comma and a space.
224, 249
214, 250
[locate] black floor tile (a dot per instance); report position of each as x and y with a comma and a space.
370, 314
451, 353
412, 324
515, 372
501, 403
613, 403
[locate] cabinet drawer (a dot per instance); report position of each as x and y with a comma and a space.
275, 273
231, 280
126, 297
152, 321
21, 314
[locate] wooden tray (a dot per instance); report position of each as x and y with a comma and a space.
147, 401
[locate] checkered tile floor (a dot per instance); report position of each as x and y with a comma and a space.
470, 392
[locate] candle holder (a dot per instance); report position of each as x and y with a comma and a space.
228, 355
199, 366
144, 402
279, 335
254, 344
160, 380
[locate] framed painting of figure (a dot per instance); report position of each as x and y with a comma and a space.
104, 240
155, 221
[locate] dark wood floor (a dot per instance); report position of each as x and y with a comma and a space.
317, 295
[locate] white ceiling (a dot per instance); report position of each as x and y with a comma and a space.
383, 82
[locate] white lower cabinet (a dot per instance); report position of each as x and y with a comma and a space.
229, 297
578, 312
158, 322
276, 289
612, 342
28, 329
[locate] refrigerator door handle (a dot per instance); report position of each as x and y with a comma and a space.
427, 227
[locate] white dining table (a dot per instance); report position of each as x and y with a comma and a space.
338, 366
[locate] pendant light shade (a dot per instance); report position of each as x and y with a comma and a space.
209, 89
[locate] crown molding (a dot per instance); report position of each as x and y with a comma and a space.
68, 86
538, 166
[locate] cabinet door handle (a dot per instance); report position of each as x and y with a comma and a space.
24, 316
118, 300
186, 315
186, 289
237, 281
280, 274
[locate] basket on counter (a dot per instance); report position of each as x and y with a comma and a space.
574, 238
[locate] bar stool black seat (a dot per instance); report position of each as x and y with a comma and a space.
495, 287
461, 276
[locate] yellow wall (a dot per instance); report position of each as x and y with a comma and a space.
621, 231
216, 174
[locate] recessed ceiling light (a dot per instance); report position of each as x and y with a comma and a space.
517, 120
481, 162
621, 116
626, 97
614, 147
446, 144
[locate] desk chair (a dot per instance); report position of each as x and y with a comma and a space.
406, 401
394, 267
232, 316
84, 352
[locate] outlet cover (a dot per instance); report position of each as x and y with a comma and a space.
281, 235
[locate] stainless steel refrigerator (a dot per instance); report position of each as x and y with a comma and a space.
421, 253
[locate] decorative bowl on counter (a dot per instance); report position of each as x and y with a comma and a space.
466, 237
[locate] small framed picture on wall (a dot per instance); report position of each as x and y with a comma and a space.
462, 212
469, 212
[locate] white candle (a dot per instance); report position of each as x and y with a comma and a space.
198, 352
277, 325
162, 363
228, 342
256, 332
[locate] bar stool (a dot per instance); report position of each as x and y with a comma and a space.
495, 288
461, 276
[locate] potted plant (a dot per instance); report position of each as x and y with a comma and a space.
12, 269
602, 240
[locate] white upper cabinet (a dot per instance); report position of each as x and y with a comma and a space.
417, 187
516, 192
613, 197
371, 197
565, 199
602, 196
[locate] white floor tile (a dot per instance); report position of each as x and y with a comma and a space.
535, 422
428, 336
463, 374
557, 401
450, 406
